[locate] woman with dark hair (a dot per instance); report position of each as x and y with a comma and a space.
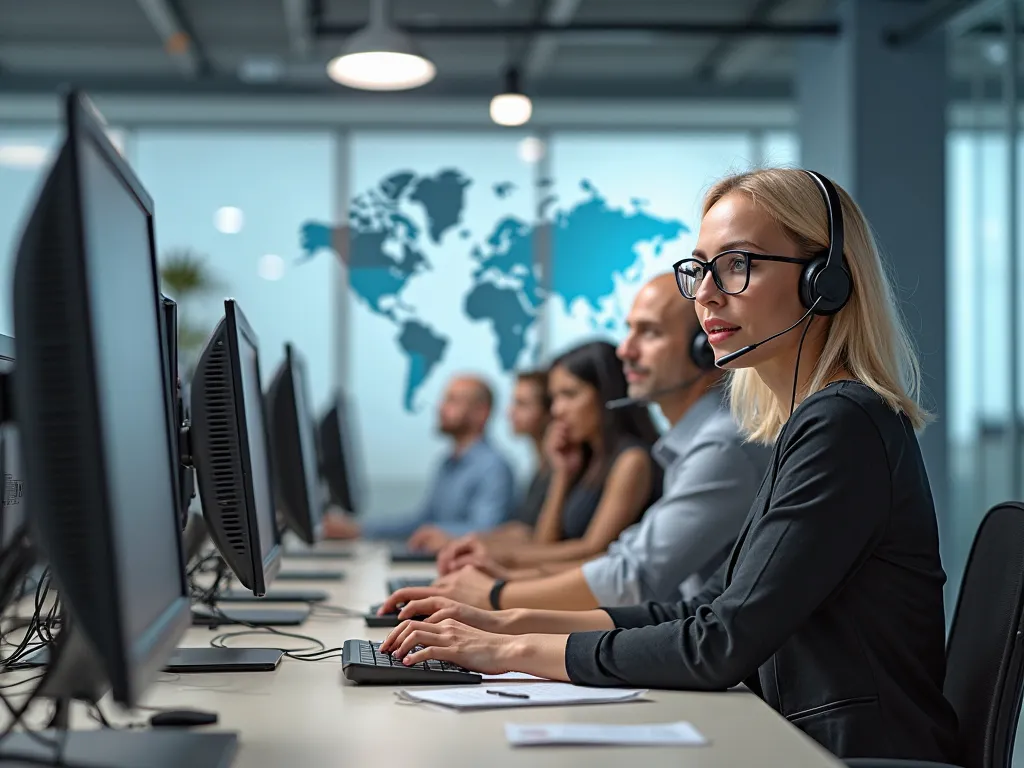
602, 477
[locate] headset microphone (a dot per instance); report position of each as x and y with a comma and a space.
626, 402
726, 359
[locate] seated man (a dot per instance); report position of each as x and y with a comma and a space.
529, 414
711, 477
473, 487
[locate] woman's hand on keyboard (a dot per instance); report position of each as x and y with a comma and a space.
417, 641
437, 609
468, 586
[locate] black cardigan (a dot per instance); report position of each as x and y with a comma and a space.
830, 605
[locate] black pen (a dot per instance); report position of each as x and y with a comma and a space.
509, 695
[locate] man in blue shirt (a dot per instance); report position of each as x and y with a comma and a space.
473, 487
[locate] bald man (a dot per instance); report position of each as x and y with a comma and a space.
472, 489
710, 480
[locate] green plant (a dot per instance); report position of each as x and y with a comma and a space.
186, 277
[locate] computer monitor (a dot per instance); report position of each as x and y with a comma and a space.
339, 460
169, 339
294, 453
230, 450
229, 441
13, 509
98, 440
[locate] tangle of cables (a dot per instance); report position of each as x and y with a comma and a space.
213, 563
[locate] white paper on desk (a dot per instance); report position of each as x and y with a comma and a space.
679, 734
512, 676
537, 695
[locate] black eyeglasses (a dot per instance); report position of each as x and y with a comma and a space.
690, 272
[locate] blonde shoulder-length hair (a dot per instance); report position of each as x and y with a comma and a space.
868, 337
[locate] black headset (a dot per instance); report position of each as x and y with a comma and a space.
825, 283
701, 353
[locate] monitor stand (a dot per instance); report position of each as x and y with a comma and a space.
272, 596
319, 575
194, 660
223, 660
109, 748
318, 554
202, 616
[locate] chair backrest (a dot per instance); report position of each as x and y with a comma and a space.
985, 653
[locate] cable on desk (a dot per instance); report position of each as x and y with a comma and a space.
299, 654
37, 627
16, 560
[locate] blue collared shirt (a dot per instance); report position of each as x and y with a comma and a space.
473, 491
711, 478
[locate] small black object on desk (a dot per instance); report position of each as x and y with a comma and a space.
182, 718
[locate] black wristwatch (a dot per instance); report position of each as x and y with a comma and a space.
496, 594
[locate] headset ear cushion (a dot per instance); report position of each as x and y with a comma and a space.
832, 287
701, 353
810, 272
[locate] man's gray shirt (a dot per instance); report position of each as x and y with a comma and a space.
711, 478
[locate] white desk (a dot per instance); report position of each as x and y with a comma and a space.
307, 715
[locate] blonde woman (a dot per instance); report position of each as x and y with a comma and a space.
830, 605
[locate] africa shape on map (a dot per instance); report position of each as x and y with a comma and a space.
393, 224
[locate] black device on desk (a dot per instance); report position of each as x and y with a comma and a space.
362, 662
296, 462
340, 470
229, 443
402, 554
340, 460
186, 474
387, 619
99, 447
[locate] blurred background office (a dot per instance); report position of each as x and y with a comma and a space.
486, 247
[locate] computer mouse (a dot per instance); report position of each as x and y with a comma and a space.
182, 718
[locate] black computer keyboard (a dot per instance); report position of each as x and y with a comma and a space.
396, 583
402, 554
362, 662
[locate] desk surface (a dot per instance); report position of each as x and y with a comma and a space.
308, 714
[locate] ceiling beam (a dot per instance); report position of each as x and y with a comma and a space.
475, 87
668, 29
540, 51
709, 67
296, 19
177, 35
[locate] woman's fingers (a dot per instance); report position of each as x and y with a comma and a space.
439, 652
404, 595
397, 635
424, 607
426, 635
450, 612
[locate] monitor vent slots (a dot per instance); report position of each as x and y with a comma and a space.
225, 469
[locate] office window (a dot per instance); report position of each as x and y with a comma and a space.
780, 148
442, 282
237, 201
979, 299
623, 208
25, 156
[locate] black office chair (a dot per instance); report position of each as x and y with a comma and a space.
985, 653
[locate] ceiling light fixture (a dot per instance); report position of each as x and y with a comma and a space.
380, 57
511, 107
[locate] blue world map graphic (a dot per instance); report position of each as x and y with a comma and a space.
393, 224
